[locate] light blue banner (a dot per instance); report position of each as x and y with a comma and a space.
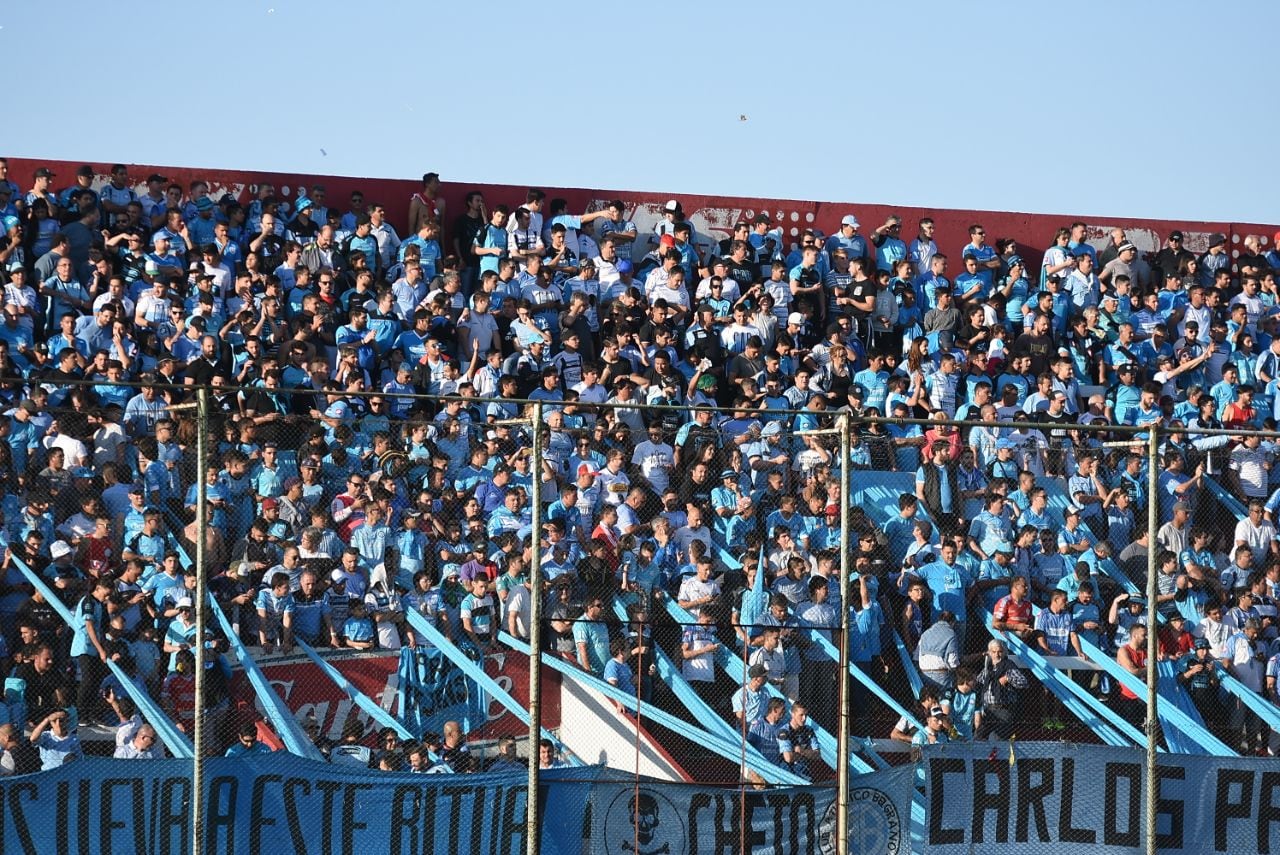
282, 803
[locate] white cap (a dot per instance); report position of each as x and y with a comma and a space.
850, 220
795, 318
671, 207
59, 548
185, 603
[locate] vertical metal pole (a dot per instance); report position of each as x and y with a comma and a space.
842, 737
202, 591
534, 841
1153, 524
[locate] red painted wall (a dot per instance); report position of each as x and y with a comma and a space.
712, 216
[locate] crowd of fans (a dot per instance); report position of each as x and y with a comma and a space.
371, 455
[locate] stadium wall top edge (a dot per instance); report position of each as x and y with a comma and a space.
713, 217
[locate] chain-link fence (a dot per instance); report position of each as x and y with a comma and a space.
722, 598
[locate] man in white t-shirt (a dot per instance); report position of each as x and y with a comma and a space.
613, 481
655, 459
1256, 533
1250, 465
692, 530
698, 590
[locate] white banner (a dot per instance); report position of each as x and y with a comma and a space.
1090, 800
686, 819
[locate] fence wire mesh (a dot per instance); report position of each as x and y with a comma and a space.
368, 562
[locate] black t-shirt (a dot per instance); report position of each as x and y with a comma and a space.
743, 272
41, 615
202, 371
41, 690
1168, 260
1054, 435
306, 232
465, 229
692, 492
1038, 347
862, 289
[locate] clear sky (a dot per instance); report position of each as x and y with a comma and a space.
1164, 110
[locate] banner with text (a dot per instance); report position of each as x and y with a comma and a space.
287, 804
1089, 800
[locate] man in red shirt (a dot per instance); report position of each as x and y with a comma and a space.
1175, 641
1240, 413
347, 508
1012, 612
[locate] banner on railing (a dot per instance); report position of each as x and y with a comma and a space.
305, 689
286, 804
1088, 800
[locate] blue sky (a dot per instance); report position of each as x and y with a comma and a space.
1092, 108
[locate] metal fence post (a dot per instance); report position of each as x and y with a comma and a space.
534, 826
1153, 525
202, 591
842, 737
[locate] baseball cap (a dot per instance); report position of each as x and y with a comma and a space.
1004, 443
672, 207
1201, 644
1217, 239
85, 170
850, 220
1072, 511
30, 406
44, 172
1175, 235
772, 429
155, 176
450, 569
59, 548
624, 266
1125, 247
185, 603
337, 576
270, 504
82, 472
937, 712
795, 318
857, 390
